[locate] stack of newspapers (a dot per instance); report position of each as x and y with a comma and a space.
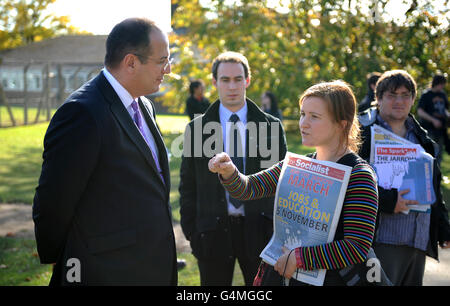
401, 164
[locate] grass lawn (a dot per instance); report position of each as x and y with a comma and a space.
21, 156
20, 162
20, 165
19, 266
19, 263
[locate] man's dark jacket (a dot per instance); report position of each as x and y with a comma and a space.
439, 222
204, 212
100, 198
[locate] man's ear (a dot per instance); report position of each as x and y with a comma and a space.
247, 82
214, 82
129, 62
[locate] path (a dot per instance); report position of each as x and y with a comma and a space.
15, 219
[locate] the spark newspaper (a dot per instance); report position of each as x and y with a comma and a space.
308, 204
403, 165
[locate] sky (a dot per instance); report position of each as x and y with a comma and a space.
395, 8
100, 16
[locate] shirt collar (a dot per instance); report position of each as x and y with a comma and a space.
383, 123
409, 124
123, 94
225, 113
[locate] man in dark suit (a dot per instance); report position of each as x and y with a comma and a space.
101, 209
222, 229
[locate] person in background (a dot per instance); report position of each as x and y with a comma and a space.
222, 230
365, 103
403, 240
433, 113
269, 105
196, 104
329, 124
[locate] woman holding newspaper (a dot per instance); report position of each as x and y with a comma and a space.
328, 123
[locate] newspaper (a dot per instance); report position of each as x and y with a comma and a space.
307, 207
380, 135
401, 164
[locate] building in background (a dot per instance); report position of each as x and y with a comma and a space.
43, 74
50, 69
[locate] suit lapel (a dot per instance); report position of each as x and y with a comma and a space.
212, 115
254, 114
125, 120
163, 159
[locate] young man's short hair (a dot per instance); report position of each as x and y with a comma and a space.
391, 80
231, 57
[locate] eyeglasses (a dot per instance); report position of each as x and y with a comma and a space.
403, 97
162, 63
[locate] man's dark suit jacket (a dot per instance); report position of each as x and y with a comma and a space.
100, 198
204, 208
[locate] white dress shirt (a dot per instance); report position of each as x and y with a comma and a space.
225, 115
127, 99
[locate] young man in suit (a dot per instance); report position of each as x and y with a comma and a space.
222, 229
101, 209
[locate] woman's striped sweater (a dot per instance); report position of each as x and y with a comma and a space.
359, 213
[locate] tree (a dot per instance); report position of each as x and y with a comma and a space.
25, 21
317, 40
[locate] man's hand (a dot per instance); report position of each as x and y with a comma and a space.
402, 203
221, 163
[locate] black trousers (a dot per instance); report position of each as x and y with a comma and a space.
220, 272
404, 265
